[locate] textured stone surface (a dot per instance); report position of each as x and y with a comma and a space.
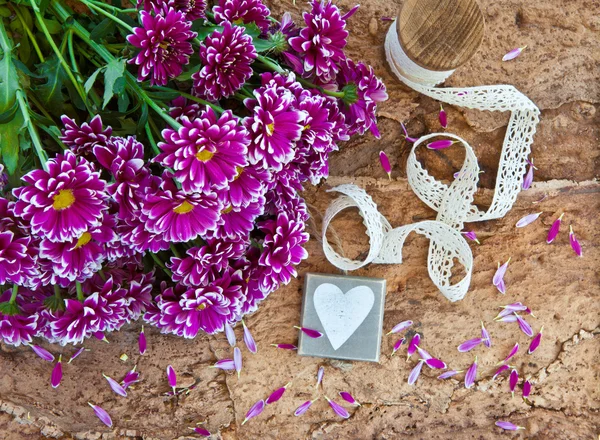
560, 72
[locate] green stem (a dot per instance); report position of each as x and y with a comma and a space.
174, 250
107, 15
161, 264
29, 34
270, 64
113, 8
157, 108
13, 295
35, 139
191, 98
321, 89
41, 108
151, 139
63, 62
80, 296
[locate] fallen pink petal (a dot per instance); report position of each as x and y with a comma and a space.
575, 243
142, 342
277, 394
42, 353
469, 345
526, 389
500, 370
172, 377
508, 426
412, 346
320, 374
387, 19
303, 408
441, 144
102, 415
498, 279
230, 334
398, 344
310, 332
256, 410
201, 431
338, 409
57, 373
115, 386
224, 364
513, 352
544, 197
508, 318
513, 380
350, 13
76, 355
435, 363
528, 180
528, 219
424, 354
385, 164
237, 360
471, 236
406, 136
485, 335
471, 374
524, 326
443, 117
416, 371
285, 346
513, 53
248, 339
130, 378
400, 327
535, 342
554, 229
448, 374
349, 398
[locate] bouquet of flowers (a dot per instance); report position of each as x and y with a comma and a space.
188, 180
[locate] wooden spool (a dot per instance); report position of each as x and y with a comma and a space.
440, 35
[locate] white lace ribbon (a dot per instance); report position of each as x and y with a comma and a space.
454, 202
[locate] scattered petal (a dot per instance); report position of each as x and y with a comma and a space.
528, 219
130, 378
57, 373
43, 353
443, 117
435, 363
115, 386
349, 398
256, 409
416, 371
310, 332
285, 346
441, 144
513, 53
237, 360
225, 364
102, 415
142, 342
469, 345
574, 243
77, 353
526, 389
448, 374
471, 374
248, 339
350, 13
303, 408
528, 180
230, 334
412, 346
385, 164
406, 136
513, 351
423, 353
500, 370
338, 409
320, 374
201, 431
485, 335
535, 342
172, 377
277, 394
554, 229
398, 344
400, 327
386, 19
471, 235
544, 197
498, 279
100, 336
512, 381
508, 318
508, 426
524, 326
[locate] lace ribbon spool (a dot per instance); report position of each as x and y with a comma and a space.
453, 202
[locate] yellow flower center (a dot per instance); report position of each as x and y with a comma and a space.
270, 129
83, 240
184, 208
238, 172
164, 45
201, 306
204, 155
238, 21
306, 127
227, 210
63, 200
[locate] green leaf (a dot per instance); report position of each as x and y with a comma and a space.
9, 114
262, 45
251, 29
91, 80
50, 93
53, 26
123, 102
23, 68
114, 71
104, 28
204, 31
10, 141
143, 118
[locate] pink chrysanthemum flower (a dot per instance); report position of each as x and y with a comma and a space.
282, 248
321, 43
16, 328
180, 217
238, 221
243, 12
63, 202
206, 152
226, 57
165, 45
274, 126
363, 91
82, 139
246, 187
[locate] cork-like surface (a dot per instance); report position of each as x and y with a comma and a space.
560, 72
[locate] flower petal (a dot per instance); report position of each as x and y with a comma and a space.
526, 389
225, 364
513, 351
528, 219
554, 229
400, 327
500, 370
77, 353
57, 374
513, 53
230, 334
385, 164
471, 374
398, 344
485, 335
115, 386
310, 332
574, 243
435, 363
256, 410
524, 326
303, 408
513, 380
142, 342
277, 394
248, 339
443, 117
535, 342
237, 360
285, 346
43, 353
320, 375
508, 426
349, 398
102, 415
441, 144
450, 373
172, 377
416, 371
469, 345
338, 409
412, 346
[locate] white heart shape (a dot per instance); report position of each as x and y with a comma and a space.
342, 313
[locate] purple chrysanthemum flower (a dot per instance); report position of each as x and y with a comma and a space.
180, 217
243, 12
165, 43
3, 177
246, 187
226, 57
283, 187
363, 90
63, 202
203, 265
192, 9
17, 266
16, 329
318, 127
180, 106
82, 139
274, 127
282, 248
321, 43
238, 221
138, 296
205, 152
